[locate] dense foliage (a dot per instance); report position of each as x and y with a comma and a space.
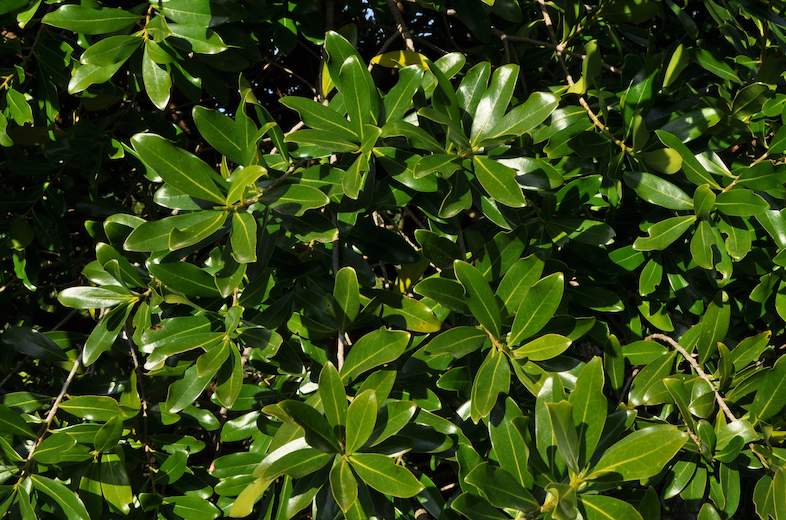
380, 259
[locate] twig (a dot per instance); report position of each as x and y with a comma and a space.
51, 416
340, 346
336, 261
430, 45
65, 320
697, 368
559, 49
329, 14
540, 43
143, 401
294, 75
12, 372
401, 26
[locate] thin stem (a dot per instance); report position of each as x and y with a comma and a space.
50, 416
401, 26
559, 48
336, 261
143, 401
697, 368
540, 43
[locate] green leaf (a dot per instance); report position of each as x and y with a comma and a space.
703, 201
361, 418
68, 501
714, 325
678, 61
241, 180
32, 343
20, 109
343, 485
229, 137
399, 98
244, 237
457, 341
525, 117
89, 20
492, 379
710, 63
372, 350
360, 94
694, 171
12, 423
640, 455
537, 307
178, 167
518, 279
481, 301
322, 139
648, 383
499, 181
156, 80
318, 432
193, 506
292, 459
494, 102
346, 296
295, 199
184, 391
111, 50
770, 397
115, 486
448, 293
599, 507
701, 245
778, 491
331, 392
404, 312
382, 474
321, 117
185, 278
91, 407
693, 124
507, 432
740, 202
244, 503
230, 380
664, 233
778, 142
109, 434
588, 407
212, 359
24, 505
561, 417
500, 488
543, 348
650, 277
94, 297
105, 333
658, 191
174, 232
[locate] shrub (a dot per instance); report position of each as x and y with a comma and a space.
512, 259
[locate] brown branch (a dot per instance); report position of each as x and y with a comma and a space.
540, 43
696, 368
51, 416
150, 461
559, 48
401, 26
